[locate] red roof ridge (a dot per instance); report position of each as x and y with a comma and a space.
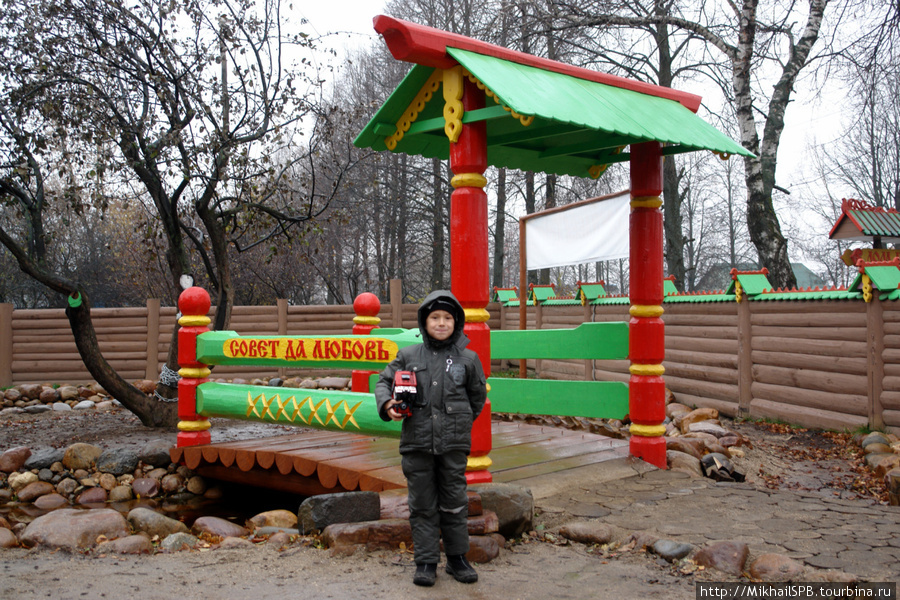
861, 264
428, 46
734, 272
854, 204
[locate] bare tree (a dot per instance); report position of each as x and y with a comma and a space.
173, 99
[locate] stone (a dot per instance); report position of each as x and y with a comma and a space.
12, 394
105, 405
146, 386
94, 495
484, 548
31, 391
384, 534
276, 382
776, 567
8, 539
513, 505
589, 532
18, 481
887, 464
121, 493
686, 446
196, 485
707, 427
14, 459
45, 457
68, 392
72, 529
486, 522
875, 437
66, 486
154, 524
46, 475
118, 461
235, 543
878, 448
37, 408
334, 383
273, 518
728, 557
49, 396
394, 504
279, 539
671, 550
218, 527
157, 474
872, 460
132, 544
171, 483
707, 438
145, 487
156, 453
35, 490
640, 540
107, 481
695, 416
178, 541
51, 501
61, 407
683, 462
674, 409
81, 456
318, 512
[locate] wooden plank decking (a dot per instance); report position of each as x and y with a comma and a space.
320, 462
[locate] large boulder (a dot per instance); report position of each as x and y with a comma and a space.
218, 527
81, 456
513, 505
153, 523
73, 529
318, 512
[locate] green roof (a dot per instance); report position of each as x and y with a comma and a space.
578, 125
752, 283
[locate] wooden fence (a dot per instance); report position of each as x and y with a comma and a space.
828, 363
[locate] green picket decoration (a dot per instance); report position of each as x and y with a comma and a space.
587, 341
333, 410
592, 399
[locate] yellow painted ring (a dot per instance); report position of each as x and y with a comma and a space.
479, 463
646, 310
646, 202
191, 373
477, 315
647, 370
193, 425
648, 430
468, 180
193, 321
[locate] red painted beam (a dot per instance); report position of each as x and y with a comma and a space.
427, 46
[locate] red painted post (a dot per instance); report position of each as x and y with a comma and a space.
366, 306
469, 280
194, 304
646, 332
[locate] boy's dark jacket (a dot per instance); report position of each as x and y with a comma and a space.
450, 385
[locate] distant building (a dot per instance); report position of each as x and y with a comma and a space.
718, 277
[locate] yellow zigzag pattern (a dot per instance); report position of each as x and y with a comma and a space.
292, 410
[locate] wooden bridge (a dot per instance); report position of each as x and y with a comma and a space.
321, 462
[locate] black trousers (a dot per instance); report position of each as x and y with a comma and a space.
438, 505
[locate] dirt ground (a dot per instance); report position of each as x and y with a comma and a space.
775, 457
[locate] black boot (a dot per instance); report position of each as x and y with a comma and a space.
462, 571
425, 575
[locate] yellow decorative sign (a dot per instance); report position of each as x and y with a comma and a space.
851, 257
312, 349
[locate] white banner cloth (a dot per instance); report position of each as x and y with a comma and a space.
589, 232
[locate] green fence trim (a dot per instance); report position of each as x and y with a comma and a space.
330, 351
593, 399
587, 341
322, 409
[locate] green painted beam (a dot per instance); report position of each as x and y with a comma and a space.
338, 352
322, 409
593, 399
587, 341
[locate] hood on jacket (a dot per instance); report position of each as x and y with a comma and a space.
448, 300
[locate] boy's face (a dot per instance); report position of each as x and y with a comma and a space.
439, 325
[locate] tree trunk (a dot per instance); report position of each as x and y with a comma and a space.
500, 229
437, 245
151, 412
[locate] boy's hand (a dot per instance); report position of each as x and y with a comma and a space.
391, 412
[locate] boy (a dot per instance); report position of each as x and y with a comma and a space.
435, 441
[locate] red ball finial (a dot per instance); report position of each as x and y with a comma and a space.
194, 302
367, 304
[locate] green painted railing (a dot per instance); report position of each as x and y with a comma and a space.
356, 412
